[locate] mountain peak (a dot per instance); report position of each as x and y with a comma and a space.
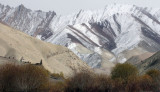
21, 6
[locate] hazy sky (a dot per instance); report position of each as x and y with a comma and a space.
68, 6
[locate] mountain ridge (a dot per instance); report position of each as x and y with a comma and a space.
112, 34
30, 22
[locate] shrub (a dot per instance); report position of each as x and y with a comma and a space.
102, 83
145, 83
118, 85
57, 86
126, 79
139, 83
7, 75
123, 71
30, 77
88, 82
57, 75
56, 83
155, 75
132, 84
79, 82
22, 77
51, 86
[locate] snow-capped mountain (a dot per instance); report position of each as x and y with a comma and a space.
34, 23
111, 34
118, 30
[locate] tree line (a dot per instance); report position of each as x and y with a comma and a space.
31, 78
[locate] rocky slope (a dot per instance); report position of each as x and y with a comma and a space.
56, 58
111, 34
152, 62
137, 59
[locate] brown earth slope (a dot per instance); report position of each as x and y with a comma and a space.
55, 58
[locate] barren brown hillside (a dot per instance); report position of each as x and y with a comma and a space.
14, 43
